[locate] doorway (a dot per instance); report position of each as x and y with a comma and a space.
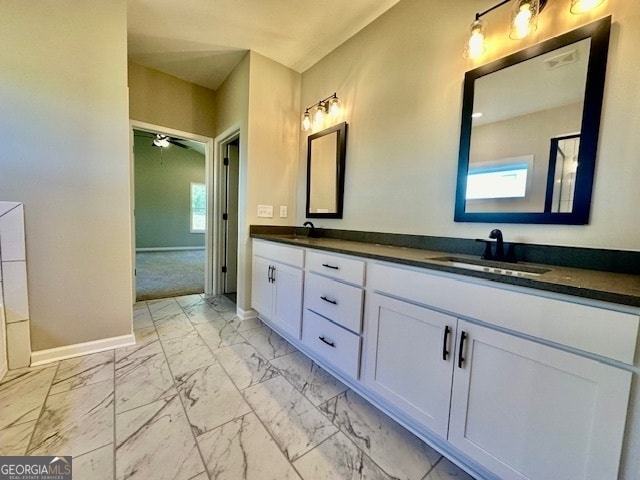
229, 183
170, 223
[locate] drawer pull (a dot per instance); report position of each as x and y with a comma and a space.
331, 344
333, 302
445, 352
463, 335
330, 266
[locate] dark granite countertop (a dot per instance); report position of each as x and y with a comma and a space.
620, 288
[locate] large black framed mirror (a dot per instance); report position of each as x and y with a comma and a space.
529, 131
326, 157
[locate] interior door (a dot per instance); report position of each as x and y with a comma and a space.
230, 217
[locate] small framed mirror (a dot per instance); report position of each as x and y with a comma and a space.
529, 131
326, 152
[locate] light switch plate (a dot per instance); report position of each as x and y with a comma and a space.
283, 211
265, 211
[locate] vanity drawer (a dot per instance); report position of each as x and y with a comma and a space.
337, 301
293, 256
338, 347
340, 267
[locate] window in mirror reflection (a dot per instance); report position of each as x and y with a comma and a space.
509, 181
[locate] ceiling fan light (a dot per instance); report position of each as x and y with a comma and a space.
161, 141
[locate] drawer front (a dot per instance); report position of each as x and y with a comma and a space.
284, 254
605, 332
347, 269
337, 301
338, 347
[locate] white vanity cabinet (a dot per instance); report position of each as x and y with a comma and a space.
276, 285
511, 382
333, 302
516, 405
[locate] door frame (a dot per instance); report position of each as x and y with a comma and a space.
220, 145
212, 221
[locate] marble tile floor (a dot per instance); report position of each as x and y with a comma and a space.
203, 395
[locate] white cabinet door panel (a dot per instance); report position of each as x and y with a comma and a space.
405, 361
261, 288
529, 411
287, 303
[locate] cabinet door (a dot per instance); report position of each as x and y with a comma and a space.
261, 287
408, 359
525, 410
287, 303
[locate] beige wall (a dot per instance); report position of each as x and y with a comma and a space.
274, 135
65, 155
400, 80
261, 99
167, 101
232, 114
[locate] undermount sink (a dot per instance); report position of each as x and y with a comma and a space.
491, 266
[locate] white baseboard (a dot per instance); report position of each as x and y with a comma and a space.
166, 249
246, 314
42, 357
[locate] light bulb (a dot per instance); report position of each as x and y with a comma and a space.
475, 45
581, 6
306, 121
524, 18
334, 106
161, 141
319, 116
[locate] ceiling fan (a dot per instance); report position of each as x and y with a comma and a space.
161, 140
165, 140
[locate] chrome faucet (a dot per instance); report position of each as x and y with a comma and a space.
312, 229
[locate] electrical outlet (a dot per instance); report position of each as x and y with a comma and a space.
283, 211
265, 211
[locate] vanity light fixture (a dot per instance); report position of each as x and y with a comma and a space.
524, 21
329, 105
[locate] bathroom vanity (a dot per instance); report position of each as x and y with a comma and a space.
512, 375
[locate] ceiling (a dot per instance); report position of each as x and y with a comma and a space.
201, 41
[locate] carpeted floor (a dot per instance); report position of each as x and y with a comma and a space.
169, 274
